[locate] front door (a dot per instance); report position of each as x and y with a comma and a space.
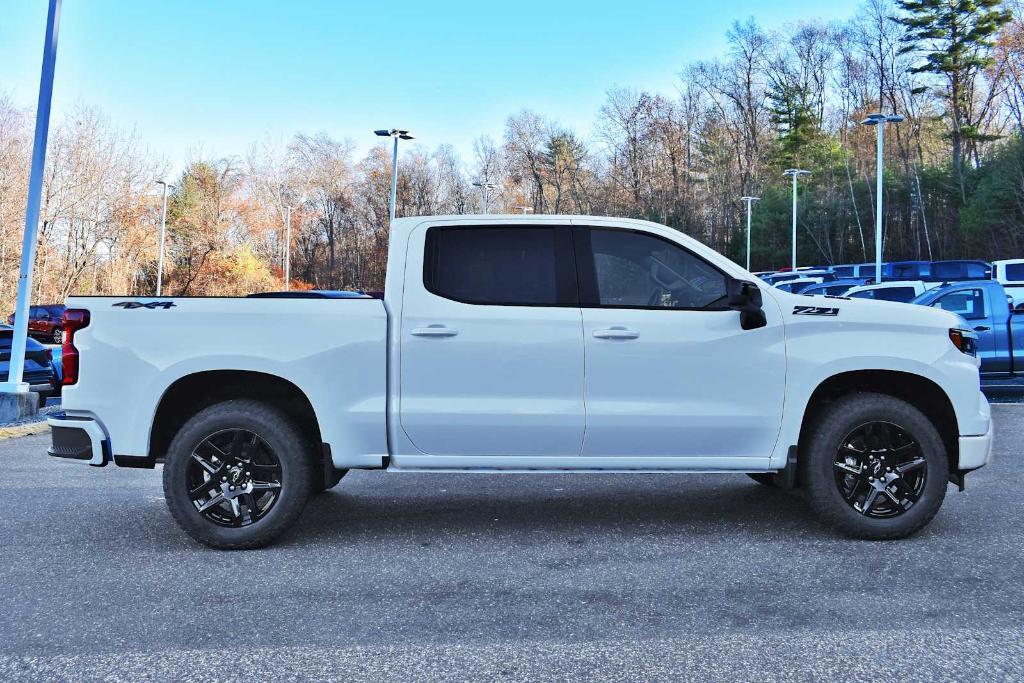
669, 370
491, 342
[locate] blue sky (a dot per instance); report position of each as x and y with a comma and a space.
197, 77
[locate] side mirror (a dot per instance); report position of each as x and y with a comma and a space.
744, 296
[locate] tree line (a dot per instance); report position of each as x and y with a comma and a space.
954, 168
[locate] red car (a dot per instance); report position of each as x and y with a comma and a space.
45, 323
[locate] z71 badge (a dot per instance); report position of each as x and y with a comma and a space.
129, 305
815, 310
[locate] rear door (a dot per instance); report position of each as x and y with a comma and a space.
670, 372
491, 342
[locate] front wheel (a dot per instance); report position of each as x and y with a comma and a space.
237, 475
875, 468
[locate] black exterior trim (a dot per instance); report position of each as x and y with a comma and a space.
70, 442
145, 462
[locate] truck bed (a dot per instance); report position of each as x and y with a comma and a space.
135, 349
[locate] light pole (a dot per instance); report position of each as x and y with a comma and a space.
287, 248
796, 173
749, 201
879, 120
16, 366
397, 134
163, 232
484, 186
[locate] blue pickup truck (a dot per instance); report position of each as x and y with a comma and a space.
989, 311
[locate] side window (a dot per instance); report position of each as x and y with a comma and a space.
863, 294
903, 294
967, 303
496, 265
637, 270
843, 271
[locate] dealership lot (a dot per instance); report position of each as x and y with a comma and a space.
515, 577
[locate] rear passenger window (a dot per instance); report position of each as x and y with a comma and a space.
498, 266
1014, 272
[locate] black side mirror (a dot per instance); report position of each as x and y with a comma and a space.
745, 296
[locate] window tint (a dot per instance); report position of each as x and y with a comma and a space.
976, 270
967, 303
33, 311
907, 271
500, 265
843, 271
863, 294
1014, 272
895, 293
638, 270
836, 290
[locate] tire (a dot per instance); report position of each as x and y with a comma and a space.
866, 445
57, 336
763, 478
328, 480
253, 437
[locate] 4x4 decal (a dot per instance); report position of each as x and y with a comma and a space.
128, 305
815, 310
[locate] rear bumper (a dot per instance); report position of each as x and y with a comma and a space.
81, 439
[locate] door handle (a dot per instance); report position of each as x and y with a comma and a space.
434, 331
982, 328
616, 333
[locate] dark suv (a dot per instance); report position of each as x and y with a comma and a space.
45, 323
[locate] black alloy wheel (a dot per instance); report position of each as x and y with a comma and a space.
234, 478
880, 470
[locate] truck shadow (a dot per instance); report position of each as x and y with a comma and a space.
437, 505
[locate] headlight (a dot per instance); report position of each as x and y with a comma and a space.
965, 341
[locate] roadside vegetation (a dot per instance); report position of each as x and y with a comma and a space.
954, 168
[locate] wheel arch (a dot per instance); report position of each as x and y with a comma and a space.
191, 393
918, 391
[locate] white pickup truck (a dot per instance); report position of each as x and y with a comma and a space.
526, 344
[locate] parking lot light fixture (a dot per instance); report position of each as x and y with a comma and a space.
879, 120
749, 201
795, 173
397, 134
484, 185
163, 233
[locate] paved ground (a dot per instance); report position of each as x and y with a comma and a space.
519, 578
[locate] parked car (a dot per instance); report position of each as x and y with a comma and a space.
1010, 274
906, 270
848, 270
525, 344
45, 323
798, 285
836, 288
890, 291
950, 271
794, 274
988, 311
38, 369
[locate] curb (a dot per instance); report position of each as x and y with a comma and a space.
15, 431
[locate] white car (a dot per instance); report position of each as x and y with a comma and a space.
1010, 274
898, 290
526, 344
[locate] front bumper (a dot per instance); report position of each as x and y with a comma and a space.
975, 449
78, 438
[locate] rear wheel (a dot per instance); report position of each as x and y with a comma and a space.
876, 467
237, 475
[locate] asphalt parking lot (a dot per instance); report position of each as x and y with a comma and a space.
515, 577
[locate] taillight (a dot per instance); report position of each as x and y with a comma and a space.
74, 319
